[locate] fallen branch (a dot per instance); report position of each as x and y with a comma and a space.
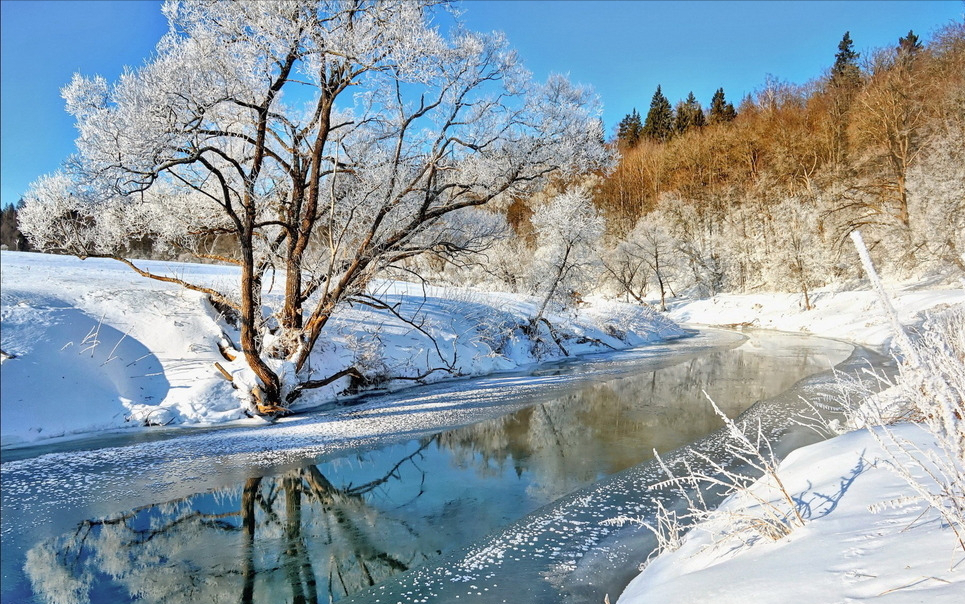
534, 332
416, 378
225, 373
352, 372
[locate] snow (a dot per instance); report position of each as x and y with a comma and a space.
867, 536
856, 316
845, 552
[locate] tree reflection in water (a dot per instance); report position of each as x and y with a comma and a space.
608, 426
291, 538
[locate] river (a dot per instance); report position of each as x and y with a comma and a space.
486, 489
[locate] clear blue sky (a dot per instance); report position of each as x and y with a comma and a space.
624, 49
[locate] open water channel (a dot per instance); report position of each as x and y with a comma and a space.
493, 489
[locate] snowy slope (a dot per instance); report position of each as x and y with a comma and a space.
854, 547
867, 535
93, 346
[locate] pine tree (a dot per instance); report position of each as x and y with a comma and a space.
660, 119
10, 236
697, 112
845, 71
720, 109
909, 45
689, 114
844, 84
630, 130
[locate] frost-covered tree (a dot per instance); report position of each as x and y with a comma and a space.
330, 138
646, 257
568, 231
799, 253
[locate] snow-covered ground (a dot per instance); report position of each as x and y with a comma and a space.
856, 316
91, 346
864, 539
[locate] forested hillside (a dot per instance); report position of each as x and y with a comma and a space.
763, 198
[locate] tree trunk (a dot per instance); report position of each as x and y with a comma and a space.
250, 319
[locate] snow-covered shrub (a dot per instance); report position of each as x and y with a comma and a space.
930, 391
368, 357
767, 508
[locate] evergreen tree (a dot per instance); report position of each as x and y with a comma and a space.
845, 71
660, 119
689, 114
909, 45
10, 236
720, 109
630, 130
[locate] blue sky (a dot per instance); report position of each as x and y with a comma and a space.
624, 49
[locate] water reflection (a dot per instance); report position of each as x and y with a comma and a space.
296, 537
334, 527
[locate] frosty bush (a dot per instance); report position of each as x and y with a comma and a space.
931, 392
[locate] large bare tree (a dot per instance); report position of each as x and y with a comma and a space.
329, 139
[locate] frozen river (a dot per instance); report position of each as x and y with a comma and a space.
490, 489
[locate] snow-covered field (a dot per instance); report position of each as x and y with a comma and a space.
89, 346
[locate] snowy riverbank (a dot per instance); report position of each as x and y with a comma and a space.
868, 532
855, 316
865, 538
95, 347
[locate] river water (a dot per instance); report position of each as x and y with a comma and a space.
490, 489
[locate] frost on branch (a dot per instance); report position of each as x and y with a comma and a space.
568, 231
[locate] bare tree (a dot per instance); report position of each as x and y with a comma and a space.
330, 138
890, 121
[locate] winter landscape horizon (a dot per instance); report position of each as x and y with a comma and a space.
339, 300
